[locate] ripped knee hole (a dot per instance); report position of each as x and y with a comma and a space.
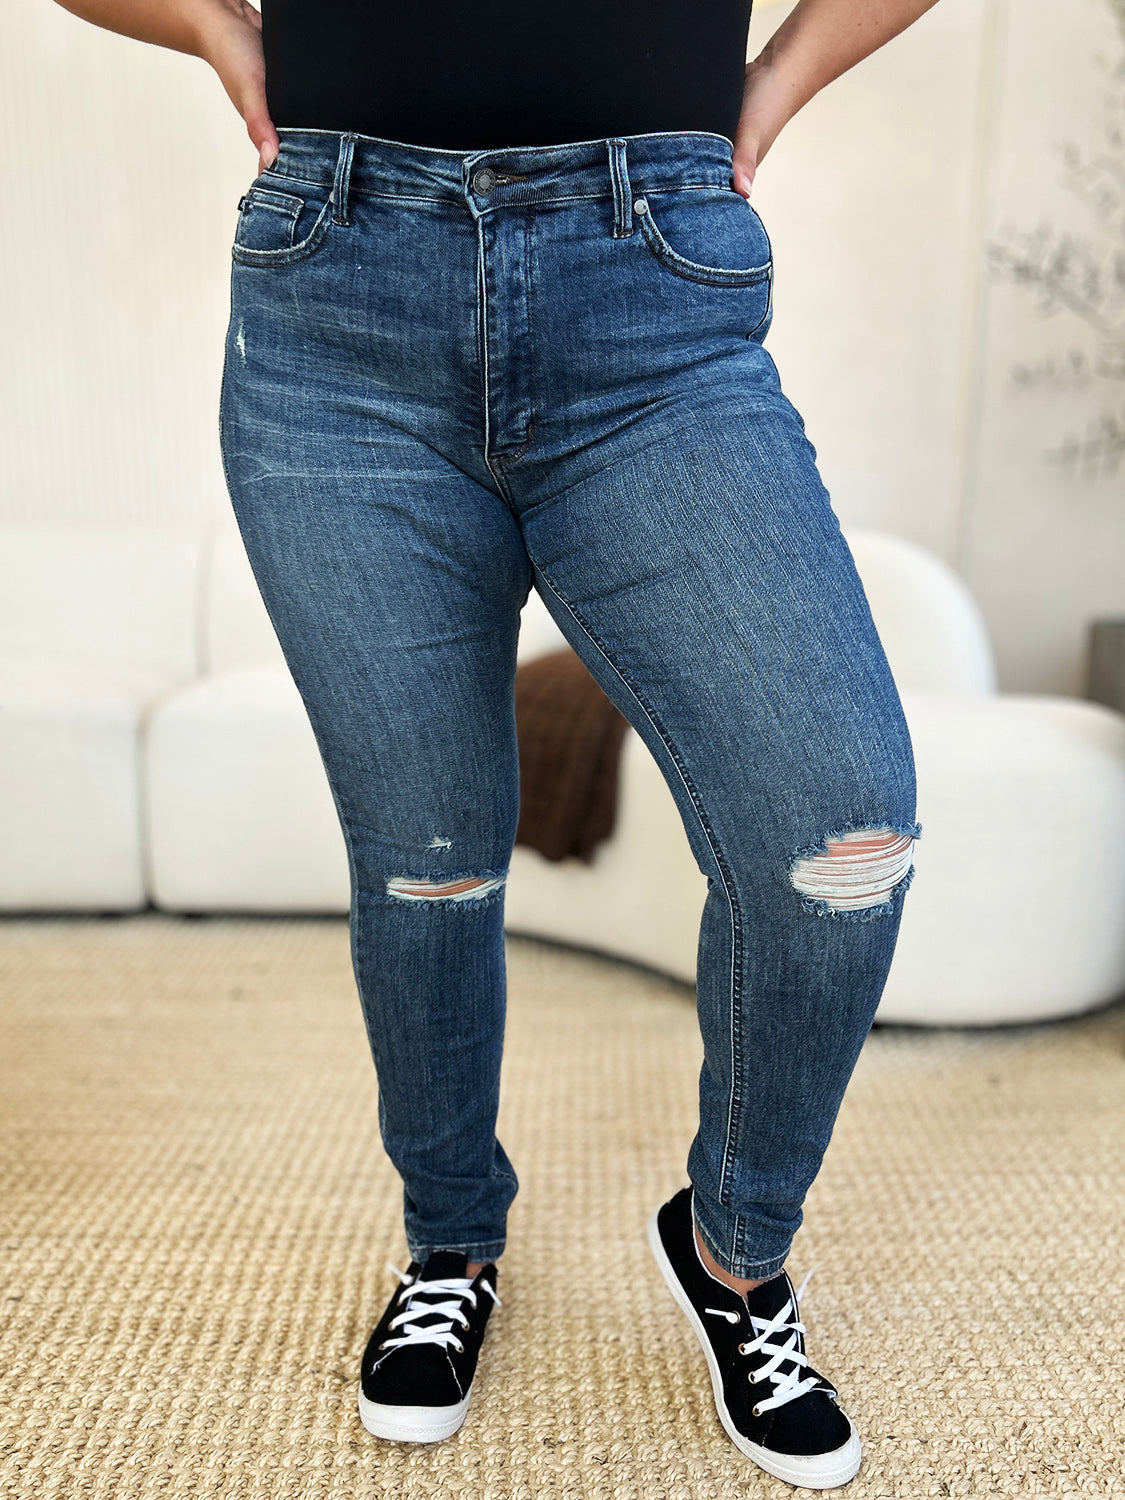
856, 871
467, 888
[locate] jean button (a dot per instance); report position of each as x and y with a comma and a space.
484, 180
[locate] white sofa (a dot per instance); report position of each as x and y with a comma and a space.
153, 748
95, 626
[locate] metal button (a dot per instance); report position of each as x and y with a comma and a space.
640, 206
484, 180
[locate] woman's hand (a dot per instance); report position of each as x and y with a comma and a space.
765, 109
231, 41
817, 41
225, 33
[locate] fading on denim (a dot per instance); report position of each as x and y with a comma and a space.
453, 376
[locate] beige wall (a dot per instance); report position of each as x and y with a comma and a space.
123, 165
900, 349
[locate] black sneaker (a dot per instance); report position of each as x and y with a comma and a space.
418, 1367
775, 1407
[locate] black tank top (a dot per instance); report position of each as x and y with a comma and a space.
506, 72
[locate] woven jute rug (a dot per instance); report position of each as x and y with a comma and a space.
197, 1217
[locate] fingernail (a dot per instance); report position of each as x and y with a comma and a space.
269, 156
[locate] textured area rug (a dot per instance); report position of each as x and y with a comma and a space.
197, 1218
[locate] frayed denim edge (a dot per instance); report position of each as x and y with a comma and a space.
443, 902
818, 908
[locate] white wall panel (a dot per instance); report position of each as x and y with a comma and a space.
870, 195
122, 169
1043, 544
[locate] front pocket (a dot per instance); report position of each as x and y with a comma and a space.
276, 227
718, 221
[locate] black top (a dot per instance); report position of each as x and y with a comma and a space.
507, 72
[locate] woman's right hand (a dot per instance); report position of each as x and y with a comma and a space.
232, 44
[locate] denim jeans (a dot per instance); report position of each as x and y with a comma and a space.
454, 375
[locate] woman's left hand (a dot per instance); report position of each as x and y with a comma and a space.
763, 114
817, 41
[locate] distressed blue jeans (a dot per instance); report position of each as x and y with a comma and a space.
452, 376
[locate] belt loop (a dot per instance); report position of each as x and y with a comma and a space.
622, 193
343, 179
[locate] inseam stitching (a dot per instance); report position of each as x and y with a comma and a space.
734, 1099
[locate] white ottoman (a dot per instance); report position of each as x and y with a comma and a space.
1017, 911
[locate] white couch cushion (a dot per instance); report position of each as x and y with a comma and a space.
641, 897
69, 810
240, 814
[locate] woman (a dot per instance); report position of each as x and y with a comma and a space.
498, 308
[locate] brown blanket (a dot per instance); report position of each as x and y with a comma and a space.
569, 742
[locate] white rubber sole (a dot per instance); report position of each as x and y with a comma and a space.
412, 1424
820, 1471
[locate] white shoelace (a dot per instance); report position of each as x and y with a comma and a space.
788, 1384
454, 1288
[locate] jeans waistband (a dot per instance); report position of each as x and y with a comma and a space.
620, 167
